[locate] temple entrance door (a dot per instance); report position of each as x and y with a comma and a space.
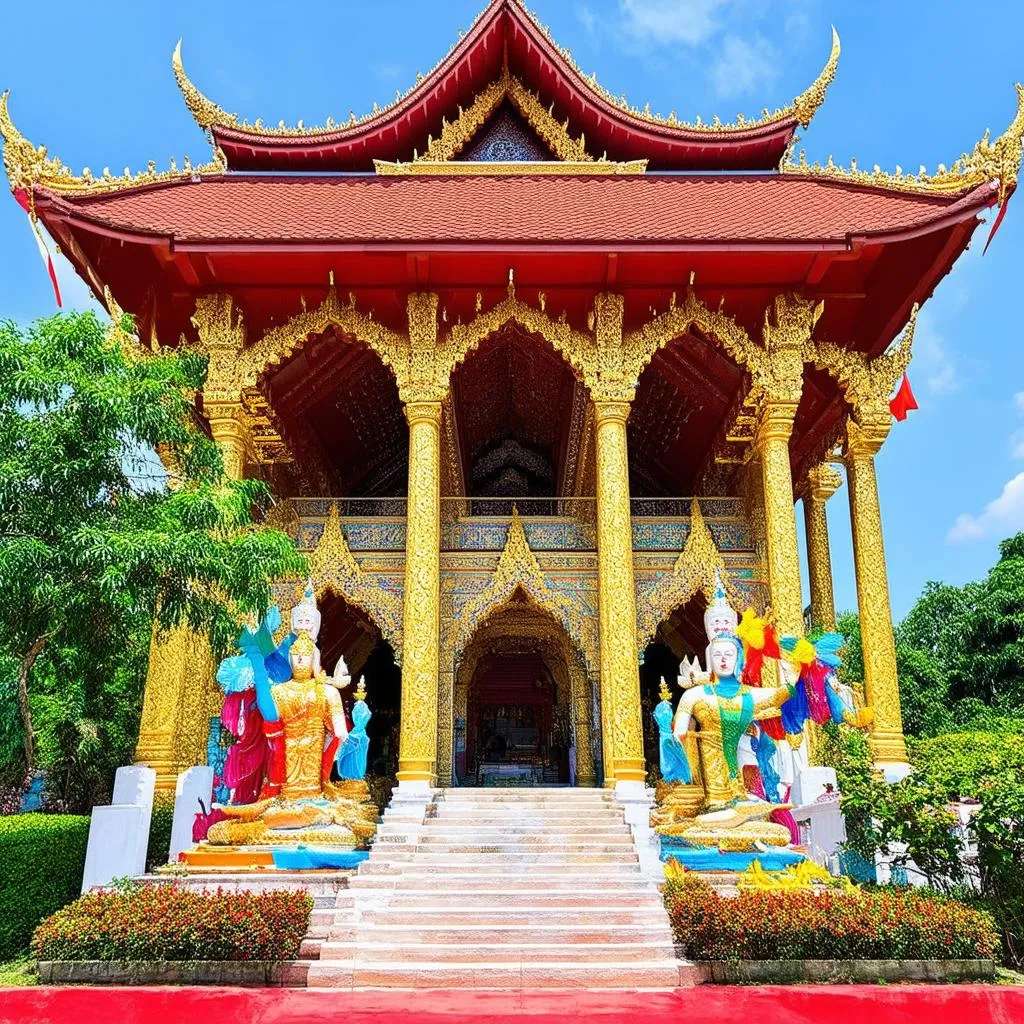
514, 731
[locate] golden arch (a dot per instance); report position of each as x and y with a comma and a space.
694, 571
519, 570
333, 569
576, 347
280, 343
639, 346
531, 627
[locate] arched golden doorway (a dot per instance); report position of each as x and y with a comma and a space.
523, 703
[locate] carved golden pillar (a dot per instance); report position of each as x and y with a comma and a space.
579, 683
417, 757
822, 482
180, 689
881, 682
620, 675
231, 436
778, 371
782, 548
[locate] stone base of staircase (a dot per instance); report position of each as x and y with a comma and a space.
500, 889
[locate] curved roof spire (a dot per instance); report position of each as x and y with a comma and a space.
807, 104
998, 162
28, 166
204, 110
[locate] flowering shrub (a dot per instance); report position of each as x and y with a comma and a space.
136, 923
894, 924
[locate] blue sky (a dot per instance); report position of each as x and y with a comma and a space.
917, 83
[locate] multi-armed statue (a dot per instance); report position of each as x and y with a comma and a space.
297, 711
733, 808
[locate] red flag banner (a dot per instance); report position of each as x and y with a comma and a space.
22, 199
903, 401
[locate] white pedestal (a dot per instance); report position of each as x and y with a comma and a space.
194, 785
113, 849
894, 771
822, 828
134, 785
811, 783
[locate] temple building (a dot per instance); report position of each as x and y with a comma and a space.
524, 366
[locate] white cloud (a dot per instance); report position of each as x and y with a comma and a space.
586, 18
741, 66
942, 373
1001, 517
673, 21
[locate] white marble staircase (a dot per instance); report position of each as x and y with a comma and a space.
500, 888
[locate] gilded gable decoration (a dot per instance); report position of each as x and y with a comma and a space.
694, 572
519, 570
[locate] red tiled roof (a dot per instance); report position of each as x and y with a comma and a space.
649, 209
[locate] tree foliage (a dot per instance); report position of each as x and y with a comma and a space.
95, 536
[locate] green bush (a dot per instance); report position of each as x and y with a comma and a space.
160, 832
42, 857
964, 763
888, 924
138, 922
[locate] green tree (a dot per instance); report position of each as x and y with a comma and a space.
991, 667
94, 535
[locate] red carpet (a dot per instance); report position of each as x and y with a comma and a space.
839, 1004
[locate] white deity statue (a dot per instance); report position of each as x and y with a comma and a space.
305, 618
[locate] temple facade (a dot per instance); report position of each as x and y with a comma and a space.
525, 367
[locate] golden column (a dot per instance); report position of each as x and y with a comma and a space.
620, 675
867, 385
822, 482
777, 372
179, 678
881, 681
422, 395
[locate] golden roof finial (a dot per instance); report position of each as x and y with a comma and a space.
806, 105
26, 164
204, 110
1000, 160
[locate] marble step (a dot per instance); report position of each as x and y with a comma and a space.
502, 846
460, 933
523, 795
533, 952
531, 820
512, 974
599, 915
436, 828
487, 862
512, 899
485, 881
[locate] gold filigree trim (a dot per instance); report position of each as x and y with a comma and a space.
209, 115
577, 347
333, 569
867, 384
693, 572
997, 161
519, 570
28, 165
455, 135
478, 168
